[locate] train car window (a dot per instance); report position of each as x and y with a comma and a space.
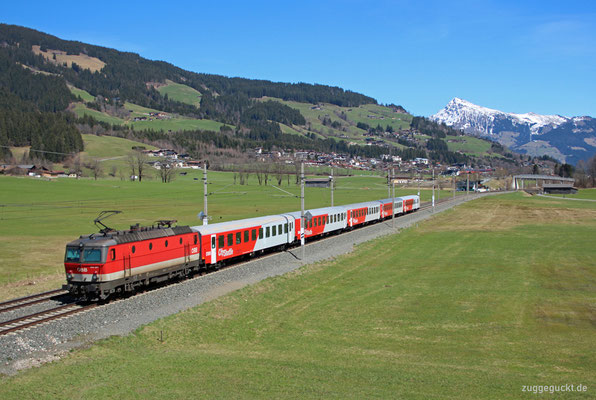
279, 228
133, 249
213, 241
113, 254
238, 238
260, 233
230, 239
220, 242
267, 232
274, 231
150, 246
286, 227
195, 239
327, 219
166, 243
254, 234
245, 236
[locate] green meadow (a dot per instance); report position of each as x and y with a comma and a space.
478, 302
181, 93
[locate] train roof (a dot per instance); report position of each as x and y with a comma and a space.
135, 235
372, 203
318, 211
399, 198
239, 224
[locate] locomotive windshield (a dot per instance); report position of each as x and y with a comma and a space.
89, 255
73, 254
92, 255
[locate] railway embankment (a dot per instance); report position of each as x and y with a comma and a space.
46, 342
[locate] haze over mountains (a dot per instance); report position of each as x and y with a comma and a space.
568, 139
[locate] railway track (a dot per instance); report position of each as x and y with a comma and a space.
42, 317
30, 300
39, 318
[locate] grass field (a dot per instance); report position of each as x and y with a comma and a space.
181, 93
582, 194
83, 94
52, 213
475, 303
81, 110
468, 145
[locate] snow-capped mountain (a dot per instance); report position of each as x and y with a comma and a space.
564, 138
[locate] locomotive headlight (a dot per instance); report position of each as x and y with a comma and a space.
94, 278
68, 276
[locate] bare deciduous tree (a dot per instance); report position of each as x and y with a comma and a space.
167, 172
137, 161
96, 168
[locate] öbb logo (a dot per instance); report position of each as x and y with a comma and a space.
225, 253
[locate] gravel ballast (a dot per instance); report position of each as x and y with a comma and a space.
47, 342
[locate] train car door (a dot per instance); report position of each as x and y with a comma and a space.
127, 264
186, 252
213, 250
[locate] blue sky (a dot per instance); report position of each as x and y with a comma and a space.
516, 56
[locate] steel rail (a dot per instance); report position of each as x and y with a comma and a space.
29, 300
42, 317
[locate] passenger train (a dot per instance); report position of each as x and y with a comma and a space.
110, 263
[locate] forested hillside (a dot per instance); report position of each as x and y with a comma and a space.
51, 90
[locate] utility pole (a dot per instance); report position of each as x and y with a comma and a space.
332, 186
454, 188
467, 184
433, 198
388, 184
205, 217
302, 219
392, 200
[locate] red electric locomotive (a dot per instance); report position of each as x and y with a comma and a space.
101, 264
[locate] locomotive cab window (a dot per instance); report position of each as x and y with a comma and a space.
72, 255
92, 255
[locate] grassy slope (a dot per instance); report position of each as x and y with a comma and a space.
173, 124
475, 303
468, 145
52, 213
181, 93
83, 94
367, 113
80, 110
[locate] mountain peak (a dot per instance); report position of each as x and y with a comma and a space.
528, 133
